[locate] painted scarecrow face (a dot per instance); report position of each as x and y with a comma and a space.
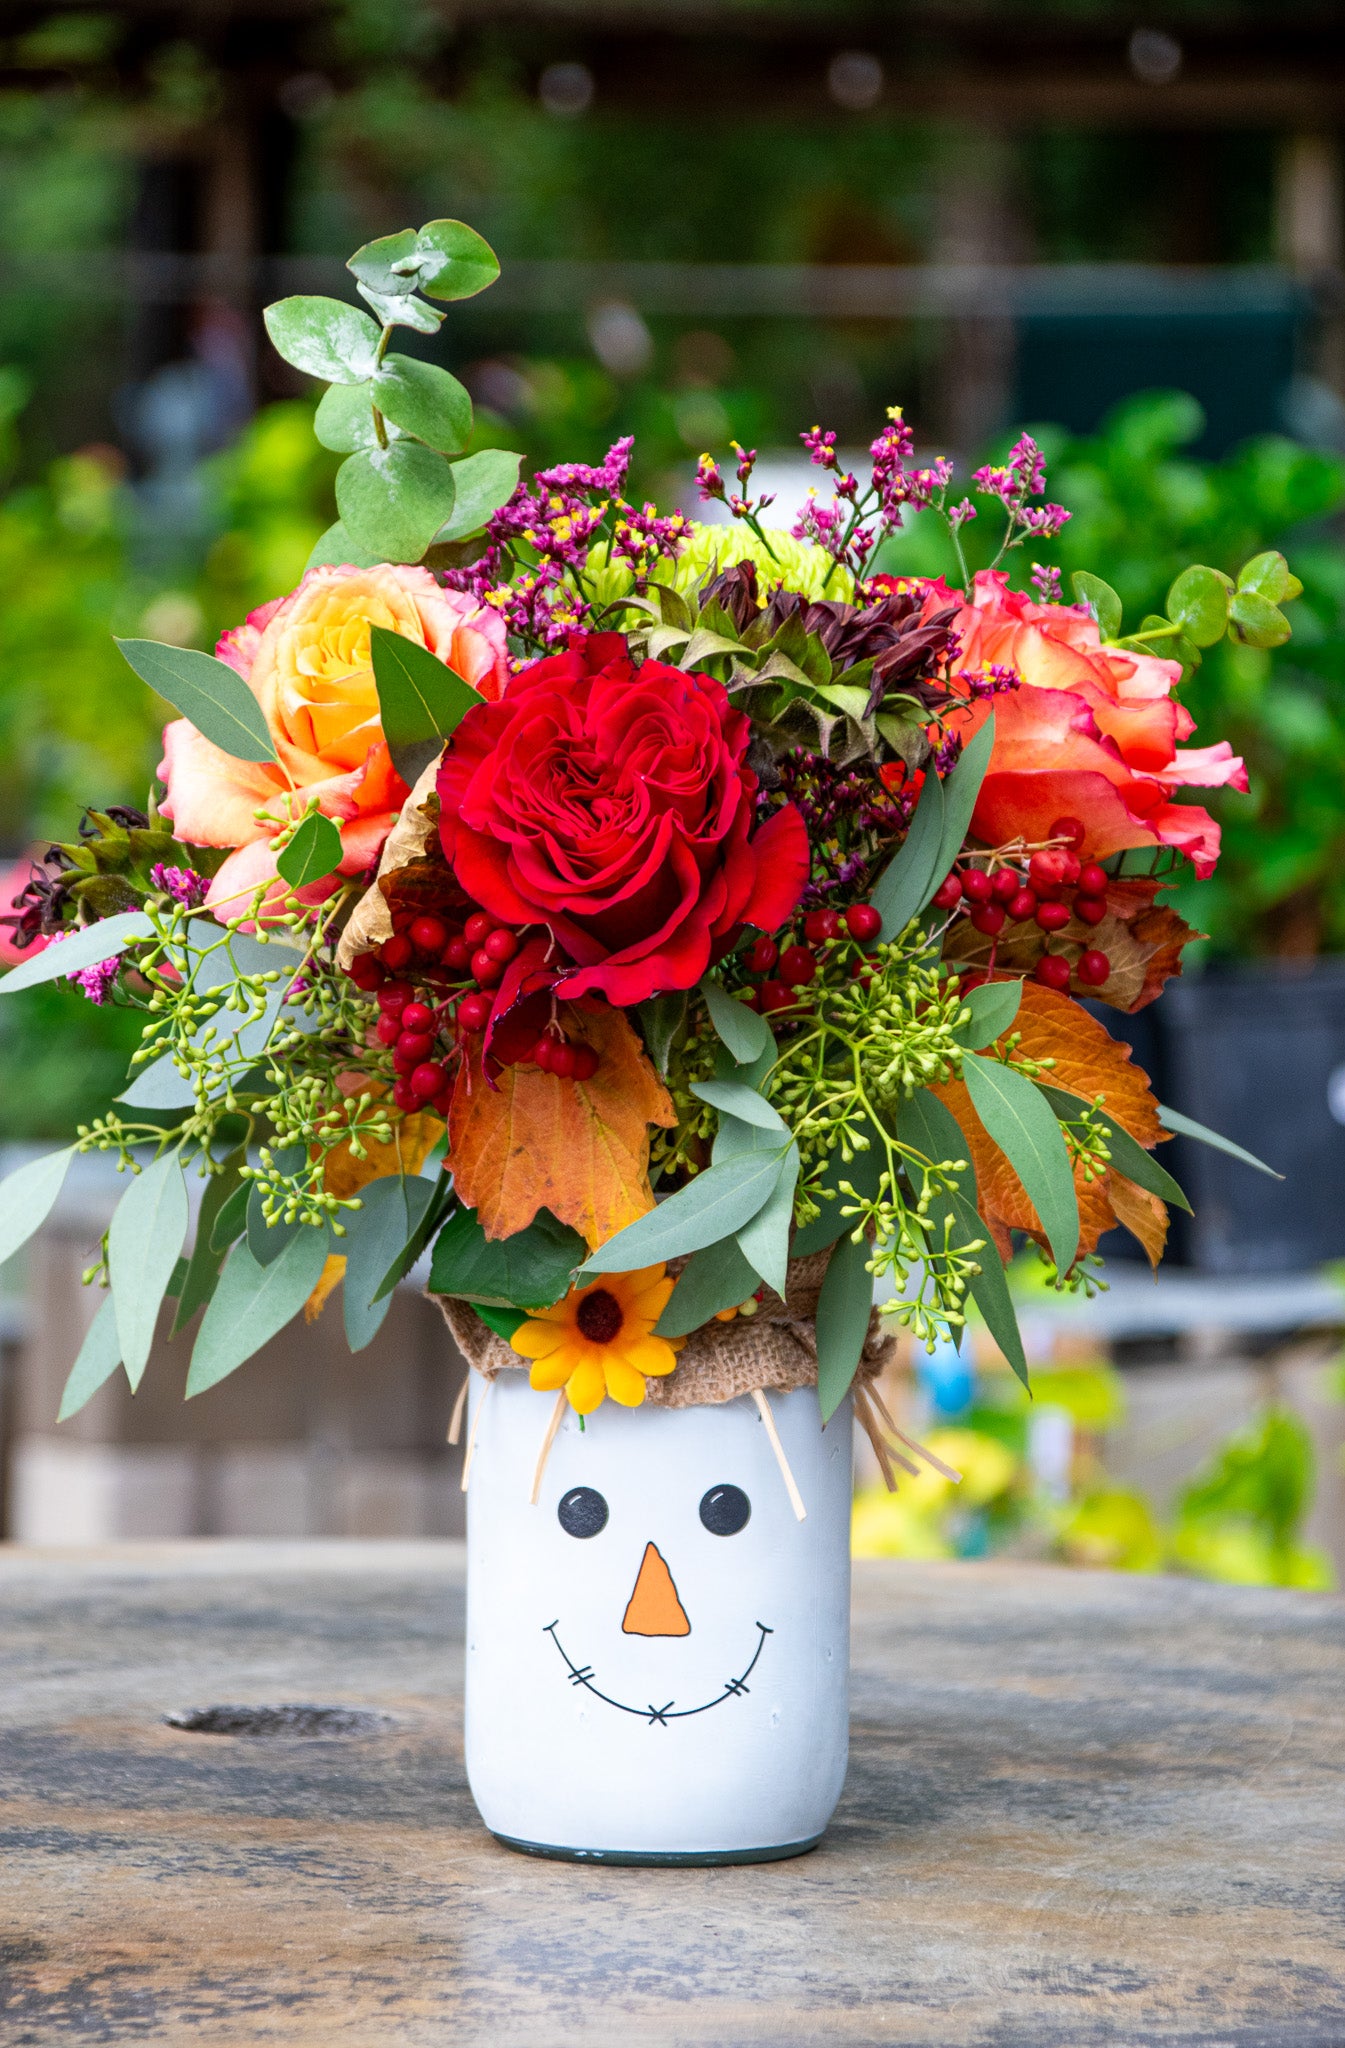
663, 1601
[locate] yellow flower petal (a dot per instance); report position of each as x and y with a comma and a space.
624, 1383
537, 1339
654, 1355
586, 1387
549, 1373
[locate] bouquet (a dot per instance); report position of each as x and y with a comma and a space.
646, 919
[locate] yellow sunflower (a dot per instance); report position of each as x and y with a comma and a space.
600, 1340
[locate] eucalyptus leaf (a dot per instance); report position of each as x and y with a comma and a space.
28, 1196
421, 700
661, 1019
531, 1269
1024, 1126
376, 1233
736, 1100
231, 1218
338, 550
1101, 600
765, 1238
205, 1262
393, 500
718, 1277
344, 420
82, 948
324, 337
266, 1241
423, 400
402, 312
390, 264
251, 1304
1187, 1127
208, 693
96, 1361
424, 1217
929, 1127
313, 853
1128, 1156
843, 1310
961, 788
481, 484
909, 880
143, 1242
715, 1204
863, 1173
746, 1034
454, 261
993, 1006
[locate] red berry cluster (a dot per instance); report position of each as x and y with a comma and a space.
990, 896
787, 969
430, 978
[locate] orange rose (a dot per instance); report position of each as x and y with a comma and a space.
306, 660
1090, 733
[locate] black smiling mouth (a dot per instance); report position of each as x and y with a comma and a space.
659, 1716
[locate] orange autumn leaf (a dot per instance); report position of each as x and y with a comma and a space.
1088, 1062
1142, 939
577, 1148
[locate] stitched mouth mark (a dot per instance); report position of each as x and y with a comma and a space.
659, 1717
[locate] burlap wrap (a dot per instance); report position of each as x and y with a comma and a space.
777, 1347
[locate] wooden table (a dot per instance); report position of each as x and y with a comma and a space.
1081, 1809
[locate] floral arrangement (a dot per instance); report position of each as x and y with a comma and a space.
619, 908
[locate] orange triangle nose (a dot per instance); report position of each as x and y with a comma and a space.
654, 1608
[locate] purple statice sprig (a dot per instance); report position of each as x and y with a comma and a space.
713, 490
182, 884
852, 820
96, 982
1020, 477
533, 569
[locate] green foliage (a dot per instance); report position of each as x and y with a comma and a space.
396, 490
531, 1269
421, 700
208, 692
1240, 1518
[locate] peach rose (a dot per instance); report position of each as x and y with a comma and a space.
306, 660
1091, 732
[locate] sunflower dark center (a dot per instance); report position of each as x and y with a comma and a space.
599, 1316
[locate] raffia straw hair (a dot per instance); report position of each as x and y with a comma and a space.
945, 1471
795, 1497
455, 1424
557, 1414
471, 1441
868, 1422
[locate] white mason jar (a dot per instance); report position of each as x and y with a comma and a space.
658, 1650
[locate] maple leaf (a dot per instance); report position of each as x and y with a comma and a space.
1142, 938
578, 1148
1086, 1061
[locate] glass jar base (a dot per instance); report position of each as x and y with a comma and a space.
662, 1858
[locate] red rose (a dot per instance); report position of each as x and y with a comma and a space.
611, 803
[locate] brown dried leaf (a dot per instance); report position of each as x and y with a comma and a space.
577, 1148
415, 831
1144, 1215
1142, 939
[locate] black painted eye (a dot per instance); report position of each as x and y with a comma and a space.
583, 1512
725, 1510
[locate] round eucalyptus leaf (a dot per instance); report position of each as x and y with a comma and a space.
324, 337
1198, 603
425, 401
393, 500
455, 262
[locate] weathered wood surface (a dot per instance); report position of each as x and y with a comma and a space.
1081, 1809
